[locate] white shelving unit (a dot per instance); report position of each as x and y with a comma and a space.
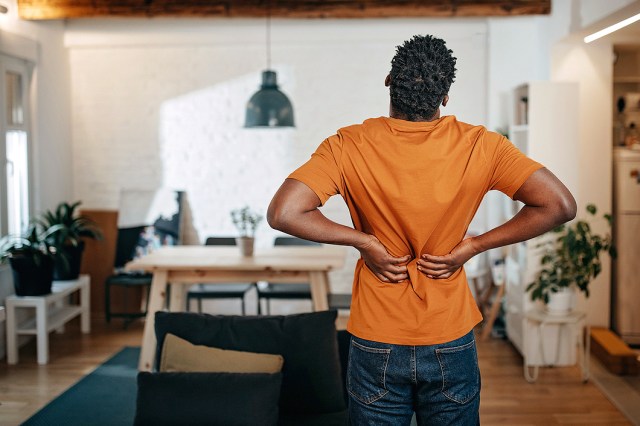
53, 311
548, 133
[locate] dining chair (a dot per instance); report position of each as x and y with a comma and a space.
218, 291
128, 281
297, 291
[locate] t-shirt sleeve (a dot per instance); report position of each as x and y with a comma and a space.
322, 173
510, 167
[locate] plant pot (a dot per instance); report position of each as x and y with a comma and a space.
246, 245
69, 270
30, 279
561, 302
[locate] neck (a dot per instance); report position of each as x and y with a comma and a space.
400, 116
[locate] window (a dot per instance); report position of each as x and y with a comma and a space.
14, 146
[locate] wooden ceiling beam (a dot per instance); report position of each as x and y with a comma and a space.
73, 9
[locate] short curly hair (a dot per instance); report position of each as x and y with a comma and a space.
422, 71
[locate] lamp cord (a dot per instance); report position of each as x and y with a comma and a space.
268, 34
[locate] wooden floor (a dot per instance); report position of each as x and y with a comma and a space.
557, 398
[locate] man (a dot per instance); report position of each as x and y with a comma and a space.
413, 182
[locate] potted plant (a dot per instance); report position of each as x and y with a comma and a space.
32, 258
246, 221
72, 228
570, 261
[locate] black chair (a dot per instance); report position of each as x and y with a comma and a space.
127, 241
218, 291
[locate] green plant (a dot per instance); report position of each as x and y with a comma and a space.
71, 226
572, 258
34, 244
246, 221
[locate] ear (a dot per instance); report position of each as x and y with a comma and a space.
445, 100
387, 80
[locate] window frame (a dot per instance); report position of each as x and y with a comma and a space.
25, 69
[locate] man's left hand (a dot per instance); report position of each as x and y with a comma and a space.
441, 267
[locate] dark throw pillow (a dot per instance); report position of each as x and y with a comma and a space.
311, 376
214, 399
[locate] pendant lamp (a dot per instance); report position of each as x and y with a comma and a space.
269, 107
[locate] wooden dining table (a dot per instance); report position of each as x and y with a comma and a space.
182, 266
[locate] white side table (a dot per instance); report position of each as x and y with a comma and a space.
576, 324
53, 311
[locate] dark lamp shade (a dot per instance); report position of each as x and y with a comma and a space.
269, 107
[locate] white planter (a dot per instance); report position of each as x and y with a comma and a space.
246, 245
561, 302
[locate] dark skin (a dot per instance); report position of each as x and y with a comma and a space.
547, 204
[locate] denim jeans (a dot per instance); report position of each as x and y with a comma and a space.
388, 383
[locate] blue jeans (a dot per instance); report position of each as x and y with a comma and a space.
388, 383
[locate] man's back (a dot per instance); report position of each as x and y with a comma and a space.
416, 186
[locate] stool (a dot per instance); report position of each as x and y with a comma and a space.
575, 321
126, 281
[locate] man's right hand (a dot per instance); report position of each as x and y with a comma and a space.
385, 266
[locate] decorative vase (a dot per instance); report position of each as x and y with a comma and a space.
246, 245
69, 270
30, 279
561, 302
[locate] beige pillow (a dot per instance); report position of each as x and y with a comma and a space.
178, 355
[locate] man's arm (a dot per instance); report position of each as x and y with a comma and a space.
548, 203
294, 210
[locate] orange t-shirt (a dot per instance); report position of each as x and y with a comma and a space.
415, 186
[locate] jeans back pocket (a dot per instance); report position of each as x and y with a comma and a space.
366, 372
460, 374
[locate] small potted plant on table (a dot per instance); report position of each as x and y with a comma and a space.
570, 261
246, 221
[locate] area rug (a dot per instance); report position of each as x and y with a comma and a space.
106, 397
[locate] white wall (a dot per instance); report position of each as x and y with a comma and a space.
161, 102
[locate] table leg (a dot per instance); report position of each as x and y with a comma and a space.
85, 302
493, 314
156, 302
319, 282
586, 355
42, 334
12, 338
529, 376
176, 304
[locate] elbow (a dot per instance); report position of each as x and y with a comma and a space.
273, 217
567, 208
276, 217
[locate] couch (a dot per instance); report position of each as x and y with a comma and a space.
309, 390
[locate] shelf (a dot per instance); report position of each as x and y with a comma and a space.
57, 318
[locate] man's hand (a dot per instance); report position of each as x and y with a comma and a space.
441, 267
386, 267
